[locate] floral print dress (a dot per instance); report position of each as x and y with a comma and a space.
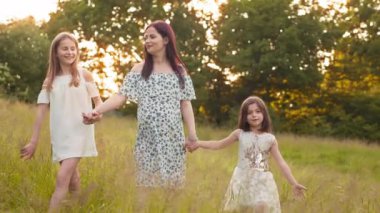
252, 183
159, 151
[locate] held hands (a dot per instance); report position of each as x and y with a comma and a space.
299, 190
27, 151
191, 143
92, 117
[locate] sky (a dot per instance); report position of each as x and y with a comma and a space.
18, 9
39, 9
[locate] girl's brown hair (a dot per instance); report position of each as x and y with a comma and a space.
54, 66
243, 124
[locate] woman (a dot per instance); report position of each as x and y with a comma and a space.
162, 89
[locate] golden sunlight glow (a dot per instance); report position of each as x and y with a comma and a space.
207, 7
325, 3
335, 6
18, 9
40, 9
106, 78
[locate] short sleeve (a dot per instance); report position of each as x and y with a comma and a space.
43, 97
92, 89
274, 140
188, 92
129, 86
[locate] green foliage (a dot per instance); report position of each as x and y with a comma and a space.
6, 79
24, 49
359, 117
272, 46
121, 24
359, 49
344, 116
272, 49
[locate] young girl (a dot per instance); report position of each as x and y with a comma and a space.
67, 91
252, 184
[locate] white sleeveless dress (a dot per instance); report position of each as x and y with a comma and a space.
252, 183
69, 136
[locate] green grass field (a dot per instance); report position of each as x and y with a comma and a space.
341, 176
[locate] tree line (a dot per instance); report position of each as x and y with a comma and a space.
316, 67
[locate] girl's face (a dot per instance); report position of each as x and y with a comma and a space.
67, 52
255, 116
153, 41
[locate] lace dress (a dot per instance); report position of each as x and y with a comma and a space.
252, 183
159, 151
69, 136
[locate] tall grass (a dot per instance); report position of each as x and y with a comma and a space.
341, 176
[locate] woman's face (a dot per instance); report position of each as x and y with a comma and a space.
154, 42
67, 52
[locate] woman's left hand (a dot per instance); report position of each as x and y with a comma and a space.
91, 117
190, 142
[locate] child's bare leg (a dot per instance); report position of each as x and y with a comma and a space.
171, 196
74, 185
261, 207
64, 175
143, 194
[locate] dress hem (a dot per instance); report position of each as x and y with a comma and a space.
74, 156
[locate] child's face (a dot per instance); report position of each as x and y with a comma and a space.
255, 116
66, 52
153, 41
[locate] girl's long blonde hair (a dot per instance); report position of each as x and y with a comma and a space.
54, 66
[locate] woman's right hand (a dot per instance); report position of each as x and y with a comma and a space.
92, 117
28, 150
96, 116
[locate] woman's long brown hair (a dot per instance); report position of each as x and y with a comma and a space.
166, 31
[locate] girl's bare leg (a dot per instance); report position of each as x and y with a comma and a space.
74, 185
262, 207
143, 194
66, 171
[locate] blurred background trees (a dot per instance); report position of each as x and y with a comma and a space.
317, 66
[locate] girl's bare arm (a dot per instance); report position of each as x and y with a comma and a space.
220, 144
